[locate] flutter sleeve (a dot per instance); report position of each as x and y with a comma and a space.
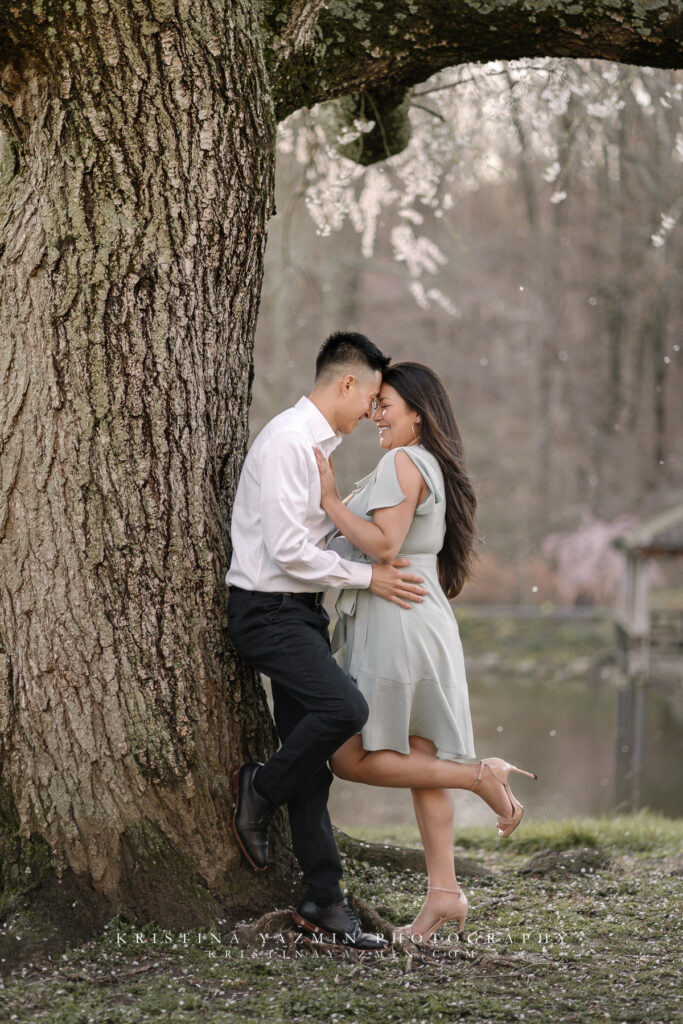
385, 491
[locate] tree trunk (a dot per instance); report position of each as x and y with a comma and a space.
131, 273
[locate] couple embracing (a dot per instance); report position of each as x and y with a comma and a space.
385, 703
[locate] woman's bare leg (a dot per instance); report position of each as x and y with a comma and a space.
435, 813
417, 770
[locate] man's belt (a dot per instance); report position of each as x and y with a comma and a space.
311, 600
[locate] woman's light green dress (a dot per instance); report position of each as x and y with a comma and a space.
407, 662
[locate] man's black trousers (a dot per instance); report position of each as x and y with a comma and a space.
317, 707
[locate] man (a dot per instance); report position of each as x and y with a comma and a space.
279, 569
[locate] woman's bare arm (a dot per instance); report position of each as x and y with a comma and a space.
382, 538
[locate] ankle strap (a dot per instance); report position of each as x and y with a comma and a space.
436, 888
479, 775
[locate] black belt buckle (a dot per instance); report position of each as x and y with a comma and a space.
310, 599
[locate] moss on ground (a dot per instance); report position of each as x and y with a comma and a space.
580, 942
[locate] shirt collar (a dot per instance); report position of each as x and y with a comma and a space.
319, 426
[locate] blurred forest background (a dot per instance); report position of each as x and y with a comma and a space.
527, 245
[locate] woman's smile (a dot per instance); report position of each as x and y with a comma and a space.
395, 420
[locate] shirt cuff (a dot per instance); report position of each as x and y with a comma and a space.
360, 576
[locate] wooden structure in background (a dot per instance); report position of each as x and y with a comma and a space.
649, 642
649, 638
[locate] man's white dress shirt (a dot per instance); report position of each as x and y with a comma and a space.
279, 530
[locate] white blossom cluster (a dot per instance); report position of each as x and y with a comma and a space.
469, 126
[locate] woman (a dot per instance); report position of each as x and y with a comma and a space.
407, 659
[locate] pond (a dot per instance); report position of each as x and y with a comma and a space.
544, 694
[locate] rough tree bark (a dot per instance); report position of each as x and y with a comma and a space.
136, 179
132, 260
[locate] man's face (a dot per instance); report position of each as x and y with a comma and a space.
357, 393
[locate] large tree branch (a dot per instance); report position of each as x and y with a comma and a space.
381, 46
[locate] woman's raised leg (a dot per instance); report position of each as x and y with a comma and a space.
417, 770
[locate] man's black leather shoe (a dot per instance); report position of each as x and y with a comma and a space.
337, 923
251, 816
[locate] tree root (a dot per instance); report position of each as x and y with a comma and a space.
400, 858
575, 861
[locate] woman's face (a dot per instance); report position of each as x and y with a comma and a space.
395, 420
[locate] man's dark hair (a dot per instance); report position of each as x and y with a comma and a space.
344, 348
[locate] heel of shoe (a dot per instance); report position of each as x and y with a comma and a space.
460, 917
501, 769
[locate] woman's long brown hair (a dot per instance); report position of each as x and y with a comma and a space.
422, 390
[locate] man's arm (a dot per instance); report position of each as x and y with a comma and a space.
285, 484
285, 487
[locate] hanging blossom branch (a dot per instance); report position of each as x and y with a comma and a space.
467, 140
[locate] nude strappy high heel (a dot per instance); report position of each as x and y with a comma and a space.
500, 770
458, 915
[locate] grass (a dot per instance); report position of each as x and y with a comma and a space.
573, 945
645, 832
